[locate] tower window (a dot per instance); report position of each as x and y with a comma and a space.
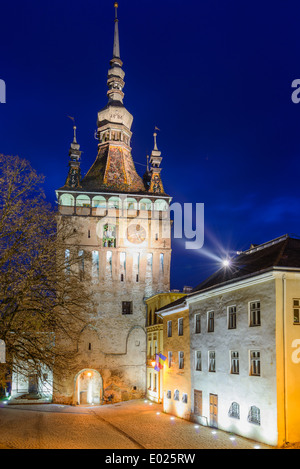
161, 265
126, 307
95, 264
109, 236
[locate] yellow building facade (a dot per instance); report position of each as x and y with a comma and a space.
155, 342
177, 370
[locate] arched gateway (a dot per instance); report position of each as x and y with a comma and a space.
88, 387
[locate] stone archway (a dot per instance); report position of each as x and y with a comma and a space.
88, 387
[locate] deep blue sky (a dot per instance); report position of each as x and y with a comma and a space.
214, 75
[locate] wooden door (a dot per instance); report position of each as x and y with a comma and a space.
198, 402
213, 410
33, 386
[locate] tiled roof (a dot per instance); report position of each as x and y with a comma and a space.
281, 252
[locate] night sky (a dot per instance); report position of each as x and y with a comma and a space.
214, 75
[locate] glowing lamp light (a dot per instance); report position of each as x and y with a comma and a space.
172, 418
153, 364
89, 373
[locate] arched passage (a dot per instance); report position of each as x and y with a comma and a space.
88, 387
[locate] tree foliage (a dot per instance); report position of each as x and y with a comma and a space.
43, 305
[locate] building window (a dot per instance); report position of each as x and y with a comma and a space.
169, 395
212, 361
169, 328
235, 363
150, 381
254, 363
109, 236
150, 349
254, 415
197, 323
123, 260
176, 395
81, 264
170, 357
155, 382
184, 398
254, 313
95, 264
234, 411
210, 321
180, 326
161, 263
126, 307
181, 360
109, 260
231, 311
149, 260
296, 311
198, 362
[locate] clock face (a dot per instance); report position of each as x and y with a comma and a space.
136, 234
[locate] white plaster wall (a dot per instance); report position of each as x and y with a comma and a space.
244, 389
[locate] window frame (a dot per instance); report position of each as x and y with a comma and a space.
255, 363
234, 362
126, 304
231, 317
181, 360
210, 321
169, 328
198, 360
198, 323
211, 369
296, 307
180, 327
257, 321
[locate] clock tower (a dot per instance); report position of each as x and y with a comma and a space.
124, 223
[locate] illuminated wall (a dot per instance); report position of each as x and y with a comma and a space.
177, 380
247, 400
288, 356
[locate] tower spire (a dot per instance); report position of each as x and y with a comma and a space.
115, 80
116, 50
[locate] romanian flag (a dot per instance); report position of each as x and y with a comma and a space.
159, 361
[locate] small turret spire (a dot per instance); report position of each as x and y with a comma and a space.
74, 175
74, 138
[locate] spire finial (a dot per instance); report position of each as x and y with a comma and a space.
74, 139
116, 10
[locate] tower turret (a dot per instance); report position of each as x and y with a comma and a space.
74, 174
155, 182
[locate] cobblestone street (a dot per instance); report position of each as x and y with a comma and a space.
129, 425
